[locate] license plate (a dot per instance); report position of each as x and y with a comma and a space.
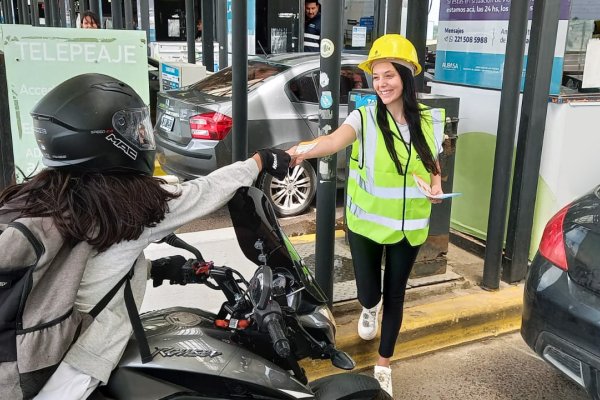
167, 122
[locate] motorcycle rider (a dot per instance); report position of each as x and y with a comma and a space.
98, 187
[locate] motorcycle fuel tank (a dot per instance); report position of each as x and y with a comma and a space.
191, 355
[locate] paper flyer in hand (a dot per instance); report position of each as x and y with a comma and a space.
426, 190
305, 147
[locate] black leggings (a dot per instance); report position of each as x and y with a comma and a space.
399, 259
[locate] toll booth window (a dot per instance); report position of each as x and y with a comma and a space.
220, 83
303, 89
351, 77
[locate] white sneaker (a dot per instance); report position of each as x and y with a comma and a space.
384, 377
368, 322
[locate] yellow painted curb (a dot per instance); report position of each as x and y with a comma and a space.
433, 326
303, 239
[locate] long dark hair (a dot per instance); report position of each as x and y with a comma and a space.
102, 209
93, 16
412, 114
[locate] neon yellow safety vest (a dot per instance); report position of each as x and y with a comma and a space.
383, 205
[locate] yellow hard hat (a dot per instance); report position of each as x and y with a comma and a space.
394, 48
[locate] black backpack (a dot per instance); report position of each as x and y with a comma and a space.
40, 275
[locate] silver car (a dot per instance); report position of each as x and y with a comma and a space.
194, 123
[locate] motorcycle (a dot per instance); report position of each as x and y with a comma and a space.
250, 349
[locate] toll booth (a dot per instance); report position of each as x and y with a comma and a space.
278, 25
432, 256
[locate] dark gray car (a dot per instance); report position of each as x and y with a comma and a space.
193, 124
561, 304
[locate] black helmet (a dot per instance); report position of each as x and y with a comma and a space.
94, 122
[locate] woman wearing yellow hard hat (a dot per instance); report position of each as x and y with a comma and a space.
394, 177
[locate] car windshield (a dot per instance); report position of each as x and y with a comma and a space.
220, 83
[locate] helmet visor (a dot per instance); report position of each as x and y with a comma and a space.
134, 125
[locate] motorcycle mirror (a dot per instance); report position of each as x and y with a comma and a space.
341, 359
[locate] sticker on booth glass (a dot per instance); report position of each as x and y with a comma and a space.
323, 79
327, 48
325, 114
326, 99
325, 130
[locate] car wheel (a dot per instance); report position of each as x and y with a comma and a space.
292, 195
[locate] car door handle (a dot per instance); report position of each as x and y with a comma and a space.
312, 117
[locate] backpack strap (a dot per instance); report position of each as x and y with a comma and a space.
38, 247
108, 296
134, 316
136, 324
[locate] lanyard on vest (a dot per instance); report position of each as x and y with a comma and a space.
406, 145
408, 149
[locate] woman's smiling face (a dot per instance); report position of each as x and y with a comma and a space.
387, 82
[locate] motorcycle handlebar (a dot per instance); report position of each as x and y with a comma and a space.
281, 344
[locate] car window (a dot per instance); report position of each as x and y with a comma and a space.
303, 89
220, 83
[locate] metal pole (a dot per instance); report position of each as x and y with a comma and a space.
394, 16
208, 38
5, 12
116, 8
331, 59
47, 16
380, 13
53, 13
35, 13
239, 65
145, 21
128, 14
11, 11
190, 30
72, 13
416, 32
544, 25
62, 12
85, 5
7, 161
505, 141
301, 21
24, 12
26, 16
19, 11
222, 33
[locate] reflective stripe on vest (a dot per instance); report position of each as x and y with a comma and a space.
386, 192
411, 224
382, 204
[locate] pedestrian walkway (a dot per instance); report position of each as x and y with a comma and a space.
440, 311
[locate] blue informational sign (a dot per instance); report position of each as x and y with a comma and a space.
170, 77
471, 43
363, 100
251, 21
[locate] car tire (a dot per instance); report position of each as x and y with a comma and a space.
295, 193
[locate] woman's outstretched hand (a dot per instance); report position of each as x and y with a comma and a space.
435, 191
296, 158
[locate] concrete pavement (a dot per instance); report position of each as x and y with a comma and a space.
440, 311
